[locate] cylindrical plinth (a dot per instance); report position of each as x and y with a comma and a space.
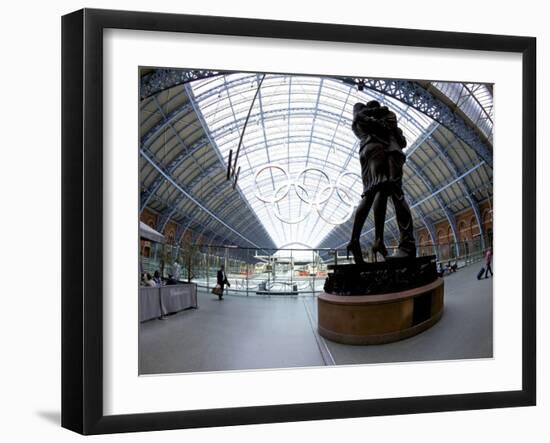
376, 319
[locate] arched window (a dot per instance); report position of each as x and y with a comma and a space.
442, 245
488, 226
474, 228
487, 218
422, 241
145, 248
462, 232
451, 240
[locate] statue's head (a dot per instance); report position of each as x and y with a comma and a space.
373, 104
357, 108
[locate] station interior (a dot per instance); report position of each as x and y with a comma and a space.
259, 173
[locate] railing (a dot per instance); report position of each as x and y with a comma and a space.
273, 272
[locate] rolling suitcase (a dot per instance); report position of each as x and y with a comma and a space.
480, 273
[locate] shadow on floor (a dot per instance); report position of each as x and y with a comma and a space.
54, 417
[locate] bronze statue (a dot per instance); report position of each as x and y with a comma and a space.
382, 158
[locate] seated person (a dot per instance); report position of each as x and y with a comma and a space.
148, 280
171, 280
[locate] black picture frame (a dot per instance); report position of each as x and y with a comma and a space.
82, 219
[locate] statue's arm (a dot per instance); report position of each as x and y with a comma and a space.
383, 125
388, 122
362, 124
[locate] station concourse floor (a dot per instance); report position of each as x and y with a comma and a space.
259, 332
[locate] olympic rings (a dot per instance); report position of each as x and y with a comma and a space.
348, 213
320, 198
339, 186
274, 198
296, 220
303, 172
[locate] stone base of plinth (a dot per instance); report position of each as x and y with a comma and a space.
376, 319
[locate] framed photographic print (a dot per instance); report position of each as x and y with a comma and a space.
270, 221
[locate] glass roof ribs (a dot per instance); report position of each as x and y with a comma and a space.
170, 117
463, 184
161, 79
168, 213
430, 185
233, 171
201, 229
331, 142
271, 225
230, 208
426, 136
197, 203
474, 99
385, 86
185, 153
187, 222
214, 145
276, 115
263, 130
243, 223
315, 112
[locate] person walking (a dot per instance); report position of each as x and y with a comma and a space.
488, 261
222, 281
157, 279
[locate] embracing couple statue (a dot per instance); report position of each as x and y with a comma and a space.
382, 158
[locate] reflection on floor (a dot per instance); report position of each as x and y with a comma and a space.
280, 332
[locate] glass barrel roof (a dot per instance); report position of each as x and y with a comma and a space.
475, 100
298, 158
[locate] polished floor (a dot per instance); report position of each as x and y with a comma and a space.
257, 332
